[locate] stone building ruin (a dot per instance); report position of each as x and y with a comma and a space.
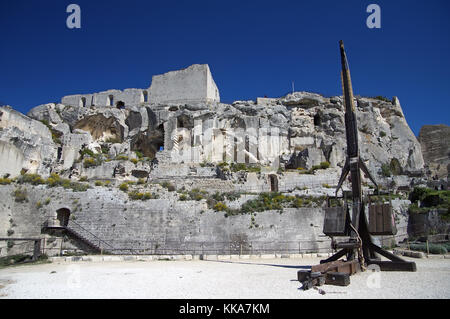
193, 84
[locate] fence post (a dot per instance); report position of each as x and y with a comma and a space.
428, 250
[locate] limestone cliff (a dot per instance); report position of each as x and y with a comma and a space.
134, 157
300, 131
435, 143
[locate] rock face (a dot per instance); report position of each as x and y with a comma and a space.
25, 144
295, 144
300, 131
435, 143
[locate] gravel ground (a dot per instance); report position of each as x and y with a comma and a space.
241, 279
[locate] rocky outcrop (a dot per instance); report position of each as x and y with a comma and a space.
26, 144
300, 130
435, 144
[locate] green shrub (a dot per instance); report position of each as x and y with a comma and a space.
134, 161
430, 199
55, 180
5, 181
123, 187
20, 195
197, 194
386, 170
89, 162
135, 195
220, 207
34, 179
324, 165
382, 98
170, 187
10, 232
236, 167
183, 197
298, 202
141, 181
86, 151
432, 248
105, 149
139, 154
382, 134
121, 157
83, 179
98, 183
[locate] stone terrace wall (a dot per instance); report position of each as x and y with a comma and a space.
165, 226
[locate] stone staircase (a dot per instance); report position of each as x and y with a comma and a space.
83, 235
88, 238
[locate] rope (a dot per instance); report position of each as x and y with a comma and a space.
360, 253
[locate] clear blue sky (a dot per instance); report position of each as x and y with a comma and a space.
254, 48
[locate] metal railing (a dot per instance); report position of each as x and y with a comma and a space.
87, 235
81, 232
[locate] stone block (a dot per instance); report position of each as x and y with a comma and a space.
210, 257
223, 257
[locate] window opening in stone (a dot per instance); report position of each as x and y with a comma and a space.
145, 95
120, 105
273, 183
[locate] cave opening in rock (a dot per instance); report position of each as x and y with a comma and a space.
317, 120
110, 100
83, 102
151, 143
120, 105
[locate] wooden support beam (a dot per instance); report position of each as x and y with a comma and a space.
336, 256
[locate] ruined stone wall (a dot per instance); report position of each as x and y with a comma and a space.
108, 98
193, 84
19, 219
